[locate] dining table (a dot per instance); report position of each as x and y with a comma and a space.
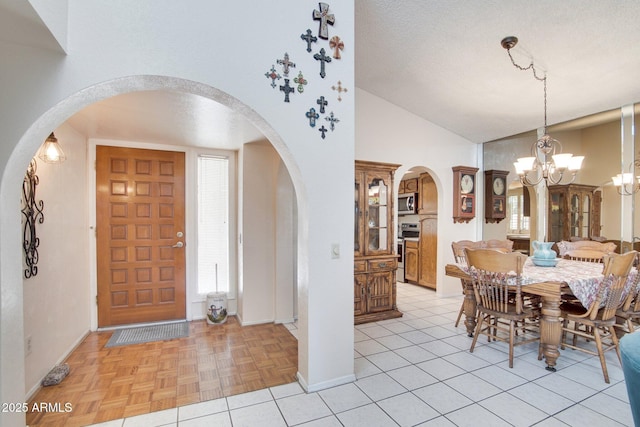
567, 279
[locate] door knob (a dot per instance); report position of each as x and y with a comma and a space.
178, 245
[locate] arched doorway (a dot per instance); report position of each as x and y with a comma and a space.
13, 360
418, 228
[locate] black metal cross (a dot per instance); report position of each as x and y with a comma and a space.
322, 103
323, 130
332, 120
287, 90
286, 64
309, 39
325, 18
312, 116
322, 58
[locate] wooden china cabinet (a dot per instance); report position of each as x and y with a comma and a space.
574, 211
375, 260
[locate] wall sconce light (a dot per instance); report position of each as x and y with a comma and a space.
544, 163
627, 183
51, 152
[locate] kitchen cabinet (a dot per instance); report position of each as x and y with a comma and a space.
408, 186
375, 260
428, 251
428, 195
411, 260
574, 211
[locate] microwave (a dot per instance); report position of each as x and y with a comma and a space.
408, 204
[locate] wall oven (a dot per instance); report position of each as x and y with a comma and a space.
410, 231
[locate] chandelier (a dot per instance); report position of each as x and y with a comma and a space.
628, 183
547, 161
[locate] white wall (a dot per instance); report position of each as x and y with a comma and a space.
387, 133
285, 301
260, 163
117, 47
267, 292
57, 300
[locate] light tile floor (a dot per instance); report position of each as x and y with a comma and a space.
417, 371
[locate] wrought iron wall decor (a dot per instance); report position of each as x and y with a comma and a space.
32, 211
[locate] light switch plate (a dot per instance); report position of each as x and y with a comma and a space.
335, 251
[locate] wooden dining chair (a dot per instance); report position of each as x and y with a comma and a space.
585, 255
603, 247
630, 310
460, 257
599, 318
496, 278
503, 245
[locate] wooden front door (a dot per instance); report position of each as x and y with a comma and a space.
140, 235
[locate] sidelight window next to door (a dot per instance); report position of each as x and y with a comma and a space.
213, 224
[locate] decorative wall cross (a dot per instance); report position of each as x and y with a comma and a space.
325, 18
323, 130
322, 103
273, 75
300, 81
286, 64
309, 38
322, 58
337, 45
312, 116
339, 89
332, 120
287, 90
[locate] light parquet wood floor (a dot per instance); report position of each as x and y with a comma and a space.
214, 361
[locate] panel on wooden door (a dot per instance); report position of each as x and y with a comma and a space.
140, 235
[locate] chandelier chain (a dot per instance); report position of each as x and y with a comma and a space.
545, 163
532, 67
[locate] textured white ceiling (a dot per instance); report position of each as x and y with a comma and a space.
443, 61
439, 59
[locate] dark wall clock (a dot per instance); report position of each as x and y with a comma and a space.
464, 193
495, 195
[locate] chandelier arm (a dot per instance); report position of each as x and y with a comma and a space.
527, 182
629, 189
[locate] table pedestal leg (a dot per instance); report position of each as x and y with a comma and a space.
550, 331
469, 308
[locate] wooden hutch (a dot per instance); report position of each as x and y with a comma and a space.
375, 260
574, 211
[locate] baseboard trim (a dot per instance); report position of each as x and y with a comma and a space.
326, 384
32, 392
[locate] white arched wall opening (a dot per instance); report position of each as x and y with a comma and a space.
414, 171
12, 363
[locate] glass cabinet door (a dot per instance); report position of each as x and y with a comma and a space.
377, 216
574, 216
584, 216
556, 216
